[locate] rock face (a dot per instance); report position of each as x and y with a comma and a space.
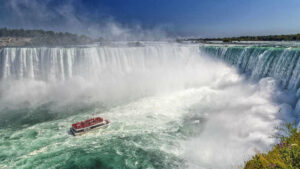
13, 41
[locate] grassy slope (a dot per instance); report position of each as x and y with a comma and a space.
285, 155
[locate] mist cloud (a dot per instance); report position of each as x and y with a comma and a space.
65, 16
166, 82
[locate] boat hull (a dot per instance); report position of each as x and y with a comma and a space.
88, 129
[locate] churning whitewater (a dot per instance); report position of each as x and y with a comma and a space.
170, 106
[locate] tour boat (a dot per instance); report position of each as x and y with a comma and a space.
83, 127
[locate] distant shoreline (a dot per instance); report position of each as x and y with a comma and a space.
39, 38
276, 38
42, 38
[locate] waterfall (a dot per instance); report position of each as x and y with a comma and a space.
53, 64
283, 64
164, 100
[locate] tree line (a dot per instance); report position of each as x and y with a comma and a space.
42, 37
292, 37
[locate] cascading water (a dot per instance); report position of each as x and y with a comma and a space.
283, 64
169, 105
280, 63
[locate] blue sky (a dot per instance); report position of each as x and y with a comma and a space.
202, 18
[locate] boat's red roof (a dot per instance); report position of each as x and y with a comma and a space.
87, 123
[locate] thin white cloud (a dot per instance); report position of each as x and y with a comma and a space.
36, 14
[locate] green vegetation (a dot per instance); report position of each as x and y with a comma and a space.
285, 155
42, 38
292, 37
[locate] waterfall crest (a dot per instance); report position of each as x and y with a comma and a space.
283, 64
52, 64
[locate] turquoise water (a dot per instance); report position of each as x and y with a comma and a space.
142, 134
281, 63
169, 105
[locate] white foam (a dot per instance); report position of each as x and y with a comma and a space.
154, 90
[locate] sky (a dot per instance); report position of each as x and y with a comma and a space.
154, 18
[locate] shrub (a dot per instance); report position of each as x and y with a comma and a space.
285, 155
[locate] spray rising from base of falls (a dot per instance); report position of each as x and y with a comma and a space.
280, 63
169, 107
283, 64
